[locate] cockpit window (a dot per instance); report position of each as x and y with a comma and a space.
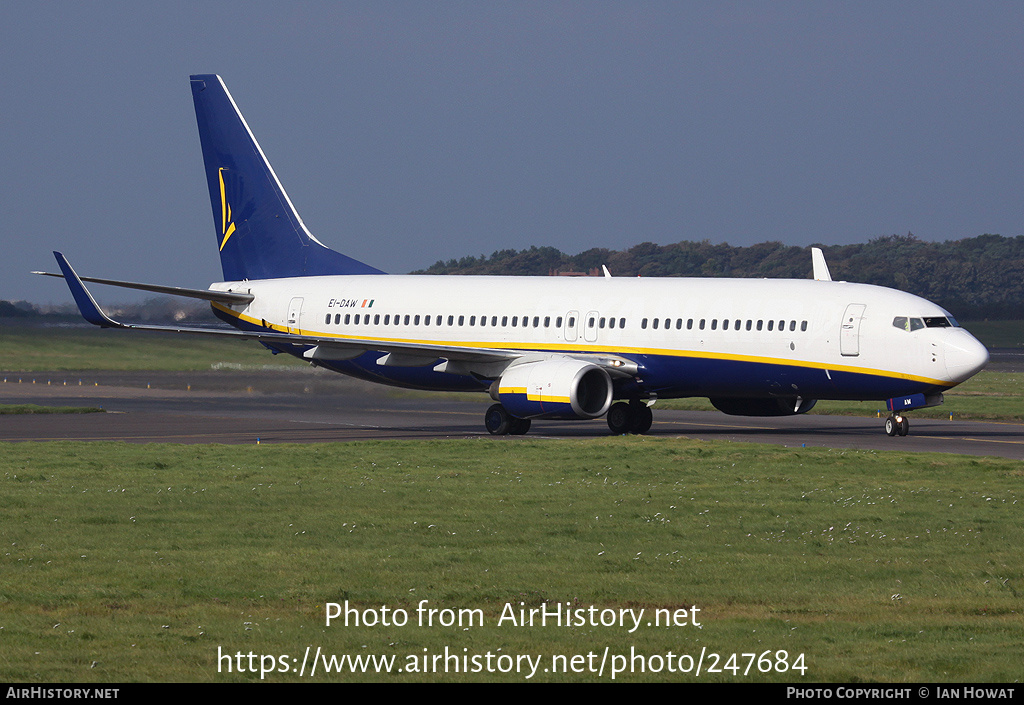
912, 324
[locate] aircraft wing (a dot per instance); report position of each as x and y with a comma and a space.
411, 354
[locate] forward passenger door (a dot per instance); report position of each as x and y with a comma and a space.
849, 333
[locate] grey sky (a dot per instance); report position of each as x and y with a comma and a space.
407, 132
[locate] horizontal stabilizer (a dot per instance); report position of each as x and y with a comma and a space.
224, 297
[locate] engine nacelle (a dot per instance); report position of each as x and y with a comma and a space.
556, 388
779, 406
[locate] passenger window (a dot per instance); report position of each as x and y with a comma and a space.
792, 326
725, 324
656, 321
760, 325
558, 322
714, 324
347, 318
701, 325
462, 320
643, 324
749, 322
803, 326
771, 325
689, 324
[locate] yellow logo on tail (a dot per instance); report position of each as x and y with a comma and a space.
227, 226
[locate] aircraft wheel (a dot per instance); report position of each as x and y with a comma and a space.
497, 420
619, 417
903, 426
891, 427
643, 417
519, 427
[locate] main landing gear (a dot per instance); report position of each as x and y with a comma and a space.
499, 422
633, 417
897, 425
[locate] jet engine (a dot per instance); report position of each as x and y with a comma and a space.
554, 388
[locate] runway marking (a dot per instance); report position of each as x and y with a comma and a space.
339, 423
428, 411
976, 440
714, 425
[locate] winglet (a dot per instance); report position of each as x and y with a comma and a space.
821, 272
87, 305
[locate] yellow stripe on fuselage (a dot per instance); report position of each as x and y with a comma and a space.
568, 348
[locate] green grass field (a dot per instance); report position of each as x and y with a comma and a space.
14, 409
35, 349
137, 563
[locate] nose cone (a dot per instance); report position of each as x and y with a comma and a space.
965, 356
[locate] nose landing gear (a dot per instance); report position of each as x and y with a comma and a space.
897, 425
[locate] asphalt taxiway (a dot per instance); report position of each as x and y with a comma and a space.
310, 406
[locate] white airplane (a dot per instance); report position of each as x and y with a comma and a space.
551, 347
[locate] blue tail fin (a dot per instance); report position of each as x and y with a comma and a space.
259, 233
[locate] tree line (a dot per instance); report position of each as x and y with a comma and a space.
975, 278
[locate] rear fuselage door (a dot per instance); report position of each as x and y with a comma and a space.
849, 333
294, 312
